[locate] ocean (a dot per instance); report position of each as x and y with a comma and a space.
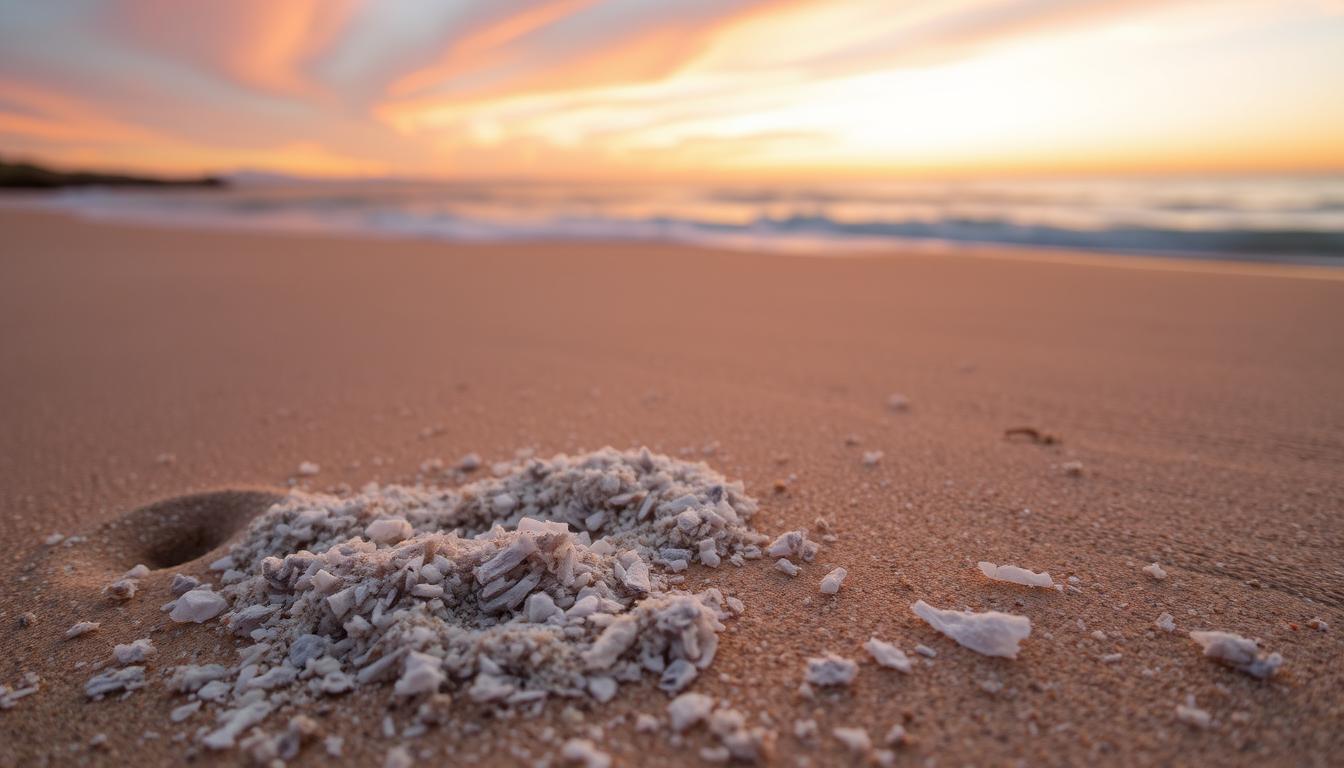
1298, 219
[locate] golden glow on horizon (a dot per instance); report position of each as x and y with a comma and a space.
575, 88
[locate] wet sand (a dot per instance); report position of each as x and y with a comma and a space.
1203, 401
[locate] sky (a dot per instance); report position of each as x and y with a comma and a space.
641, 89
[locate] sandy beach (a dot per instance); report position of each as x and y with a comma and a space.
1201, 401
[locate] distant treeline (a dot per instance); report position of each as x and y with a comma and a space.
20, 175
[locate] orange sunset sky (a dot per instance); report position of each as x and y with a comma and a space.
651, 88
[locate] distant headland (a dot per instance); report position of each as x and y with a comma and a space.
26, 175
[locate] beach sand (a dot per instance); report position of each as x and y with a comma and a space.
1203, 402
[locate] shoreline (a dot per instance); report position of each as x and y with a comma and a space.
1321, 268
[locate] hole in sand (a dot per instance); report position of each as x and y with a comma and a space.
184, 528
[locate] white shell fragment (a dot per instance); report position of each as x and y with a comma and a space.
1015, 575
198, 605
990, 633
831, 582
794, 544
783, 564
421, 673
583, 752
872, 458
308, 469
688, 709
388, 530
1194, 716
856, 740
133, 652
124, 679
1165, 622
888, 655
1155, 571
81, 628
830, 670
1238, 652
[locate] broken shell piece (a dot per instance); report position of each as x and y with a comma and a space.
872, 458
124, 679
1015, 575
81, 628
1166, 622
830, 583
856, 740
830, 670
887, 655
1155, 571
121, 589
1194, 717
794, 544
1238, 652
583, 752
178, 714
784, 565
388, 530
308, 469
990, 633
421, 673
688, 709
133, 652
898, 402
182, 584
198, 605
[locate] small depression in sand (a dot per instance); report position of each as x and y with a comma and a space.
175, 531
552, 578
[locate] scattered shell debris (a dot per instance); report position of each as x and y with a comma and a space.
990, 633
555, 578
1016, 575
1238, 652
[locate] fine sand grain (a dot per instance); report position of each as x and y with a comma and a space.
161, 388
